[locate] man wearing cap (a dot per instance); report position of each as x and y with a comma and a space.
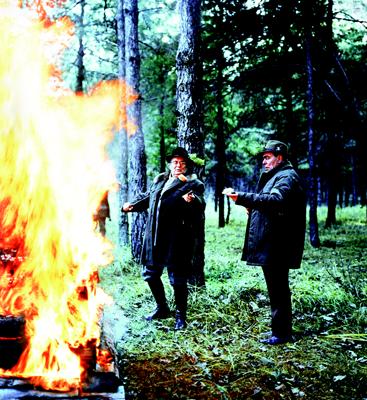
275, 232
175, 203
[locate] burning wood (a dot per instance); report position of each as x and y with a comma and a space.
12, 340
100, 374
54, 173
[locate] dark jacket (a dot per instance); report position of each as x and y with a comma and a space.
275, 229
171, 229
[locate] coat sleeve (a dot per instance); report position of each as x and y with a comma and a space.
199, 200
197, 206
276, 199
141, 204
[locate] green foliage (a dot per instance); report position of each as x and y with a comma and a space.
219, 355
243, 145
264, 80
262, 47
197, 160
158, 31
99, 40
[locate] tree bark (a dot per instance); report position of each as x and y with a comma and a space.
137, 156
332, 167
333, 176
123, 222
220, 142
228, 210
188, 100
354, 179
80, 57
313, 222
162, 145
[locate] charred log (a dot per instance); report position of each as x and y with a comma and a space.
12, 340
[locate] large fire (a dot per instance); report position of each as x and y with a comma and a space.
53, 175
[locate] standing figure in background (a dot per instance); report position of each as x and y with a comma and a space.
275, 232
102, 213
175, 203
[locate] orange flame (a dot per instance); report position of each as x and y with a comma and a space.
53, 175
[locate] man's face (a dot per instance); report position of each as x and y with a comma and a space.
177, 166
270, 161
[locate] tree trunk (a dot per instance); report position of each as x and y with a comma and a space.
188, 99
341, 195
228, 210
354, 179
331, 197
220, 142
346, 195
333, 176
188, 91
80, 57
162, 146
123, 222
290, 125
313, 222
332, 145
331, 208
137, 156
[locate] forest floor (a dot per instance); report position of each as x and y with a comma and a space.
219, 355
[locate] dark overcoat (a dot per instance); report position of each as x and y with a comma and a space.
275, 229
172, 223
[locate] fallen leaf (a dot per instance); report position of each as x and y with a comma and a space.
337, 378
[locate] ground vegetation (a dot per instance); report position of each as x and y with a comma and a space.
219, 355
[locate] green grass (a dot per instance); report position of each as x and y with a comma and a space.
219, 355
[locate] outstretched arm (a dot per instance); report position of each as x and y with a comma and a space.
231, 193
140, 205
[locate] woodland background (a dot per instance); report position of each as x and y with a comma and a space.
220, 78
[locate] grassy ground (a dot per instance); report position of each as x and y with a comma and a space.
219, 355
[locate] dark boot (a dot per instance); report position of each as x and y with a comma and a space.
181, 293
162, 311
180, 320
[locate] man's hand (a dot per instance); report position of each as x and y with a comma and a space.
127, 207
230, 193
189, 197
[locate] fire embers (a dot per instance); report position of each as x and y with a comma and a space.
9, 262
12, 340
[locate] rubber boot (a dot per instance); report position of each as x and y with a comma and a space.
161, 311
181, 294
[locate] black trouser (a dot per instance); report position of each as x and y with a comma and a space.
176, 276
277, 282
178, 281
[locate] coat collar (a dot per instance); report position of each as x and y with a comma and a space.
267, 175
